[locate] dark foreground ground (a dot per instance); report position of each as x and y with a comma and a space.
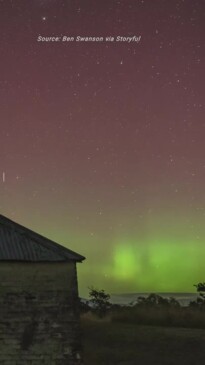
107, 343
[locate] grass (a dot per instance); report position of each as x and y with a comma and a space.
108, 342
171, 317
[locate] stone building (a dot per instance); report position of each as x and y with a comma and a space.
38, 299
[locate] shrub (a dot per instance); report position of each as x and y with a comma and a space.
100, 301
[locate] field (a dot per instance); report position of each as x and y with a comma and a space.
115, 343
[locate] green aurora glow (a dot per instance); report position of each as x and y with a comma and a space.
159, 267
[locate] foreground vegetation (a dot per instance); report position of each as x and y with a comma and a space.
192, 316
153, 331
153, 310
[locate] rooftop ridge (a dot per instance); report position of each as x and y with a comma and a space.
37, 238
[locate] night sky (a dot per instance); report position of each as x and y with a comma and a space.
102, 143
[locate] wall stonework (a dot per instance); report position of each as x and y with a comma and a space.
39, 321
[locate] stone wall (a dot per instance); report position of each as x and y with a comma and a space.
39, 314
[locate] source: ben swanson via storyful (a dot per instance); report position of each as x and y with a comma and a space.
67, 39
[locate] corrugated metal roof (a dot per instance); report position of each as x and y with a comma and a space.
18, 243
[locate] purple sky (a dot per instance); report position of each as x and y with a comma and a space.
102, 143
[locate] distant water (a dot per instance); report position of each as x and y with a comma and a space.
124, 299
